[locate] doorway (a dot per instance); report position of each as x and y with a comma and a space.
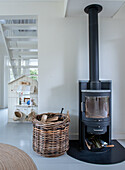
20, 64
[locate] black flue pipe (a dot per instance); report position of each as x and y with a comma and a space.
92, 11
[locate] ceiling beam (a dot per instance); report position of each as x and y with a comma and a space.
118, 11
24, 53
65, 7
30, 66
24, 58
21, 26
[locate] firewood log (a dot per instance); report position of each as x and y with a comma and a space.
88, 146
44, 118
110, 146
53, 119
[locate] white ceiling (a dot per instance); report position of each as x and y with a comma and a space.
110, 7
76, 7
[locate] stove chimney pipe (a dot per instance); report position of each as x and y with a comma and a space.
92, 11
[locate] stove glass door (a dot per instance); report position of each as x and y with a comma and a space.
97, 107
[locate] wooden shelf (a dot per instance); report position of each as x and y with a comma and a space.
27, 106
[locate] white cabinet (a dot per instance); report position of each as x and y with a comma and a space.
26, 91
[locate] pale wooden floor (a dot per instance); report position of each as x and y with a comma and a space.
20, 135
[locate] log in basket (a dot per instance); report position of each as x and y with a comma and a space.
51, 139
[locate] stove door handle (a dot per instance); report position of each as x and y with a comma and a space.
81, 106
98, 130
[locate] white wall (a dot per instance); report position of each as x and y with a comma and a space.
3, 76
1, 79
63, 63
112, 66
63, 59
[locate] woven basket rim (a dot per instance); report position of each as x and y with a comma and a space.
40, 123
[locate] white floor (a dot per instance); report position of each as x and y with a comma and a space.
20, 135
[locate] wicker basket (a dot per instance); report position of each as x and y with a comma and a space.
51, 139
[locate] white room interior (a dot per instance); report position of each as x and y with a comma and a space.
63, 60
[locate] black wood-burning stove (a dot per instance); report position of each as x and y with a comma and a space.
94, 95
94, 112
95, 108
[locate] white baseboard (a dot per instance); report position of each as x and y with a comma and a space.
10, 120
3, 107
118, 136
73, 136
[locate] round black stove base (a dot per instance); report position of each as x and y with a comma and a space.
112, 156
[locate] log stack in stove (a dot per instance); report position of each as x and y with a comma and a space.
94, 95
